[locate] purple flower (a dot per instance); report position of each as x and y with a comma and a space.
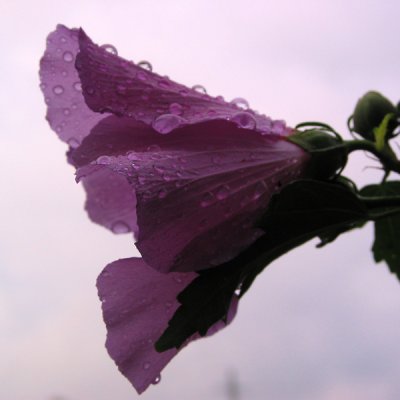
188, 173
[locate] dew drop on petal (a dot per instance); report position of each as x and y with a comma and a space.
162, 193
154, 148
72, 142
146, 365
178, 279
223, 192
244, 120
103, 160
58, 89
166, 123
109, 48
175, 108
66, 111
120, 227
207, 199
168, 305
77, 86
68, 56
240, 103
156, 380
278, 127
132, 155
199, 89
145, 65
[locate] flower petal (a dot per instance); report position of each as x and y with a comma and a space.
67, 112
137, 304
113, 84
200, 189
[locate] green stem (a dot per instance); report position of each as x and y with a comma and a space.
380, 202
386, 156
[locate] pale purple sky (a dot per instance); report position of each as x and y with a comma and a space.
317, 325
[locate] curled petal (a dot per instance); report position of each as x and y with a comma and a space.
112, 84
67, 112
137, 304
200, 190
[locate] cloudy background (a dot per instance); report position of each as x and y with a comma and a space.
317, 325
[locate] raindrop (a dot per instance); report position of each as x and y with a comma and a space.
42, 86
240, 103
199, 89
168, 304
73, 143
132, 155
183, 92
68, 56
162, 193
90, 91
145, 65
66, 111
77, 86
223, 192
278, 127
220, 99
207, 199
121, 89
244, 120
146, 365
120, 227
154, 148
175, 108
109, 48
103, 160
178, 279
166, 123
164, 84
58, 90
142, 76
156, 380
63, 39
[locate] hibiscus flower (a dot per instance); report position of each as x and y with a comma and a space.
189, 174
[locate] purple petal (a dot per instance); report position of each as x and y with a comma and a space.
110, 199
115, 85
137, 304
67, 112
200, 190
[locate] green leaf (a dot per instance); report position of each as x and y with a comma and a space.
300, 212
386, 245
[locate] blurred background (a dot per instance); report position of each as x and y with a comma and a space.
317, 325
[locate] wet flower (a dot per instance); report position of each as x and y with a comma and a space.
188, 173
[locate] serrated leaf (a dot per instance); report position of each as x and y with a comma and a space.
300, 212
386, 245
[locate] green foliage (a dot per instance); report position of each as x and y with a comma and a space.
386, 246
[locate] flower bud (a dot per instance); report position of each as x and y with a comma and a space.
328, 156
370, 111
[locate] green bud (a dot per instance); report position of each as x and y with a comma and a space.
370, 111
328, 155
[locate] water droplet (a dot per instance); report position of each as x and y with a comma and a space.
77, 86
154, 148
73, 143
109, 48
120, 227
132, 155
183, 92
240, 103
238, 290
207, 199
164, 84
146, 365
145, 65
175, 108
58, 90
223, 192
63, 39
42, 86
103, 160
244, 120
278, 127
220, 99
199, 89
156, 380
178, 279
166, 123
90, 90
121, 89
66, 111
162, 194
68, 56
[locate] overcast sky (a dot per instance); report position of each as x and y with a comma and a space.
317, 325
